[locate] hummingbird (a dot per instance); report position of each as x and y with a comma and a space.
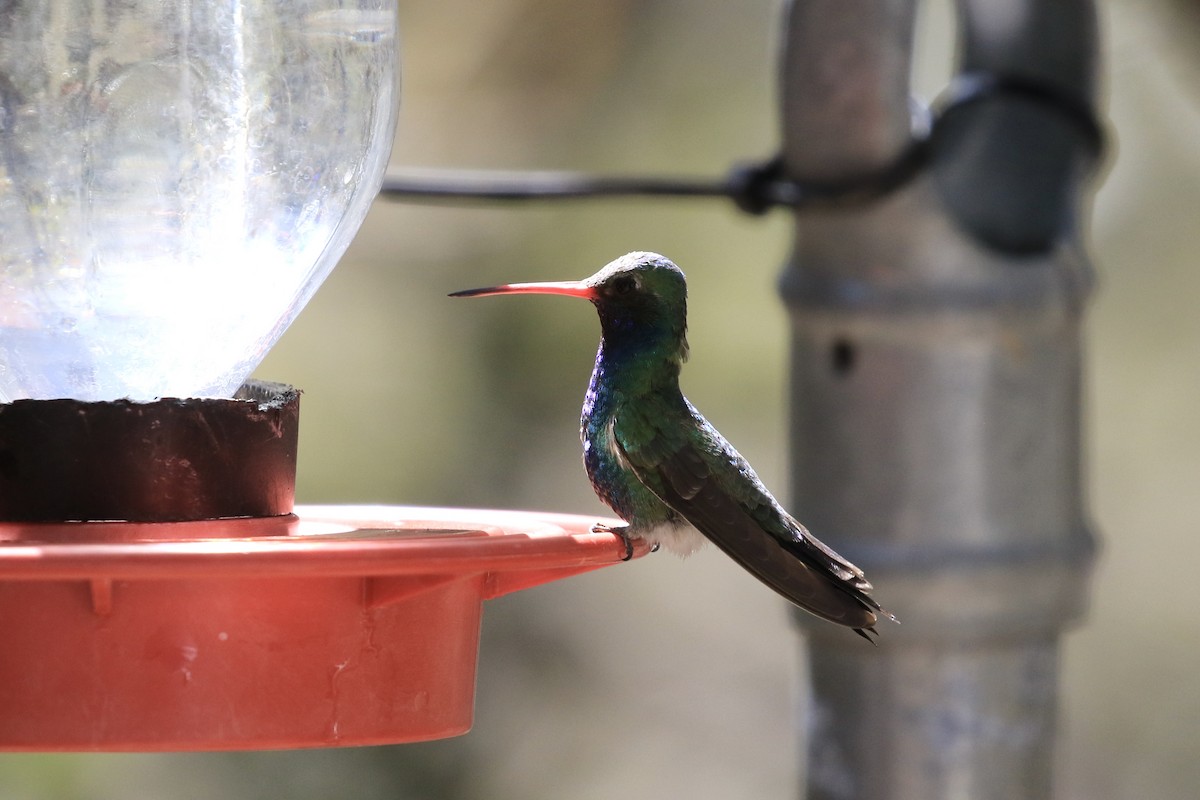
665, 471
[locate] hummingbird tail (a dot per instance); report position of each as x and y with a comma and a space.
758, 534
868, 634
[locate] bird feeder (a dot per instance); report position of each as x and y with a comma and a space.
213, 614
177, 180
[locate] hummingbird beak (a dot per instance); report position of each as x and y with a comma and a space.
569, 288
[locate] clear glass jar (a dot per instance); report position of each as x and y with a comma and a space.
176, 179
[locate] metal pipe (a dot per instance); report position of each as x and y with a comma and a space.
936, 396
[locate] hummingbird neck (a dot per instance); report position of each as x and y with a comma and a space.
641, 350
627, 372
660, 344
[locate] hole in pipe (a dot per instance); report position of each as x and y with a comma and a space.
842, 357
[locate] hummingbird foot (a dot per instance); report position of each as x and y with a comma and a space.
623, 532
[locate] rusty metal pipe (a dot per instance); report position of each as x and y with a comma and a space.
936, 412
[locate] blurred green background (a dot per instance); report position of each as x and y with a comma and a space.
679, 679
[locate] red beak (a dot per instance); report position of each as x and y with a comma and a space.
569, 288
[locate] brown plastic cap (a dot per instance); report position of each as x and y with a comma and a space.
167, 460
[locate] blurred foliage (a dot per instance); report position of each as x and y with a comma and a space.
664, 678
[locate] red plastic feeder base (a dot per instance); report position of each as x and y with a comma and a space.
340, 625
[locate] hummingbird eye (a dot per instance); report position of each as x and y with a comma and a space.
624, 285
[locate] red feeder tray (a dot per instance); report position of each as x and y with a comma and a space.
344, 625
217, 619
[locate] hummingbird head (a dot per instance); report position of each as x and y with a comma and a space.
641, 299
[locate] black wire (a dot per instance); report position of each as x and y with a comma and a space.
487, 185
754, 188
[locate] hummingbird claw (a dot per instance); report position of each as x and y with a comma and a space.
618, 530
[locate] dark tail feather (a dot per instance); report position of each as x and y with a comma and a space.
867, 633
839, 598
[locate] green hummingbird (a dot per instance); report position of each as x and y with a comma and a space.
664, 469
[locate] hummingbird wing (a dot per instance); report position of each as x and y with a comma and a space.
692, 469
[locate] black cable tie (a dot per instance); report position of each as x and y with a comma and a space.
756, 188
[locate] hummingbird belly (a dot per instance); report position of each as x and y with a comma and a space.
649, 517
678, 537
